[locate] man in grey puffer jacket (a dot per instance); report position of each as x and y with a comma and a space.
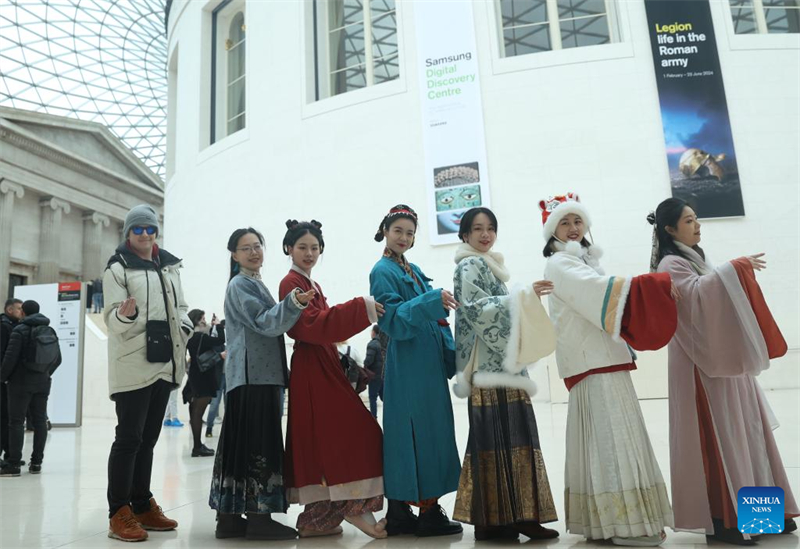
148, 329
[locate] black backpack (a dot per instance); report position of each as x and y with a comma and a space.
349, 366
43, 351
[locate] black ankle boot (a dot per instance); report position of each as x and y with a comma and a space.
230, 526
789, 526
400, 519
485, 533
731, 536
434, 522
261, 526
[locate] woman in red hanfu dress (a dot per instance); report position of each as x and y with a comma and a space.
334, 460
719, 419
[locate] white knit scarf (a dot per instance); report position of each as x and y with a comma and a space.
495, 260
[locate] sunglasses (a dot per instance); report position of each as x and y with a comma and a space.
139, 230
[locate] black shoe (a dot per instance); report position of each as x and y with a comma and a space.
731, 536
35, 469
230, 526
400, 519
484, 533
434, 522
789, 526
264, 528
203, 451
534, 530
9, 471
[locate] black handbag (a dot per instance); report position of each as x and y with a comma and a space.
157, 332
208, 360
159, 341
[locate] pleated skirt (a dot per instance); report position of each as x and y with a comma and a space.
503, 479
613, 484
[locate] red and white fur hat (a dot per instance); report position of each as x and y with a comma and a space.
556, 207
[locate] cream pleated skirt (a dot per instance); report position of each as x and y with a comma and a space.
613, 485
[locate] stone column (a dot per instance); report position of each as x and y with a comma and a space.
93, 261
50, 239
8, 191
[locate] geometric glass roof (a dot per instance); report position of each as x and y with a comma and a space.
97, 60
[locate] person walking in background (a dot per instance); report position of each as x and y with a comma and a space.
31, 357
10, 317
351, 362
207, 355
374, 363
171, 413
97, 295
248, 468
89, 296
217, 330
148, 328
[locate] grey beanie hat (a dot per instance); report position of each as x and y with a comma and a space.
140, 216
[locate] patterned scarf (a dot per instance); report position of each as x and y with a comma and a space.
403, 262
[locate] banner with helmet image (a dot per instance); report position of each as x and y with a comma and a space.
456, 177
694, 111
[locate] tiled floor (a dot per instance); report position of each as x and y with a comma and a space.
66, 505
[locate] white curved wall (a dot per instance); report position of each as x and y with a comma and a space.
585, 119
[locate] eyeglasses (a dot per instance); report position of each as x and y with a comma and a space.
139, 230
257, 248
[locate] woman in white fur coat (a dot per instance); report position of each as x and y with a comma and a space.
613, 485
503, 489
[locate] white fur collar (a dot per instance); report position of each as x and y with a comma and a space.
591, 255
495, 260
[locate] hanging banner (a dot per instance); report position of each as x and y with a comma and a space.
452, 115
694, 111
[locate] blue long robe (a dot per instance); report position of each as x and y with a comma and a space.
419, 446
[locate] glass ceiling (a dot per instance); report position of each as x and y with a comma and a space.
97, 60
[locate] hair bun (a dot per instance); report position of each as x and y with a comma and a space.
651, 218
291, 223
316, 223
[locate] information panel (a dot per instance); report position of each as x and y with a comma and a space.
63, 304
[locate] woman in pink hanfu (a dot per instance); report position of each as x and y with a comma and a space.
720, 421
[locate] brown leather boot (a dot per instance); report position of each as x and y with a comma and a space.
154, 519
123, 526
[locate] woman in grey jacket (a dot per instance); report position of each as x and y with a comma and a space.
248, 470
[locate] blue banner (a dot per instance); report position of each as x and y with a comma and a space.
694, 111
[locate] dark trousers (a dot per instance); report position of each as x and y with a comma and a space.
375, 391
3, 421
21, 398
140, 414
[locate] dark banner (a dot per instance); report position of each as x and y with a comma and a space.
694, 111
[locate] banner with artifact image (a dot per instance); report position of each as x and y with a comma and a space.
452, 114
694, 110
